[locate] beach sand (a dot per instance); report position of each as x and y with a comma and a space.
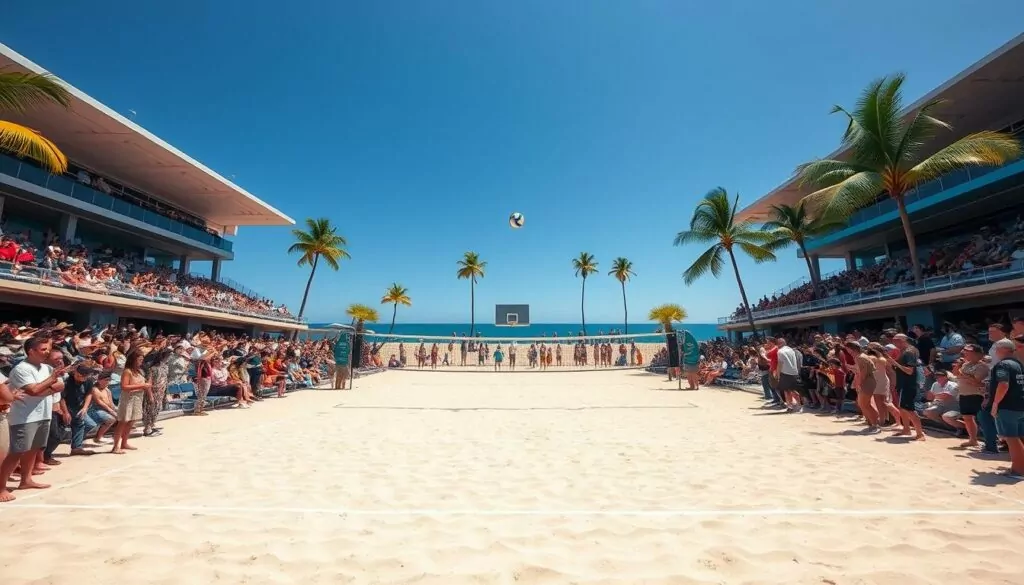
445, 478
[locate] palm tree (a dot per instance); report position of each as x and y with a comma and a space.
20, 92
320, 240
471, 267
622, 270
667, 314
714, 221
584, 265
886, 156
396, 295
362, 314
790, 224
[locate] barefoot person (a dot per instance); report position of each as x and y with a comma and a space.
906, 385
864, 383
971, 373
129, 406
1006, 386
29, 418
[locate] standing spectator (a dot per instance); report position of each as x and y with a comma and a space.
971, 373
950, 345
60, 419
906, 384
1007, 388
129, 405
789, 363
29, 418
864, 383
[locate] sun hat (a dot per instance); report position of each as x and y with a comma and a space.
1004, 344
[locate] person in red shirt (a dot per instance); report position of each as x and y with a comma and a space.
8, 250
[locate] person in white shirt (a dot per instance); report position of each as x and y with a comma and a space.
788, 370
29, 418
944, 400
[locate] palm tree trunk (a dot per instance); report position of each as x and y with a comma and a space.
583, 312
625, 311
815, 282
393, 315
472, 306
305, 295
908, 232
743, 292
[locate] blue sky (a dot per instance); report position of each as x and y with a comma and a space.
417, 127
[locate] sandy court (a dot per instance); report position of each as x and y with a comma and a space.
449, 478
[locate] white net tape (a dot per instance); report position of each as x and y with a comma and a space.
511, 353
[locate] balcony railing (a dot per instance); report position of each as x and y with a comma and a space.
965, 279
85, 193
41, 276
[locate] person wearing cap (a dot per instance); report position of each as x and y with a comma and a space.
905, 367
77, 392
1006, 387
971, 373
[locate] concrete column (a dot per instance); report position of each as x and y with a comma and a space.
2, 199
816, 265
192, 325
183, 262
68, 227
96, 316
215, 273
850, 263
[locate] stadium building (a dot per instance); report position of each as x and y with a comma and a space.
133, 206
969, 226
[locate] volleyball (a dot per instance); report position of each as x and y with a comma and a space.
516, 220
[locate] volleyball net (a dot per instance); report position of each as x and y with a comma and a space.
511, 353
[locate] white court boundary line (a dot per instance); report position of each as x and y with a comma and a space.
683, 513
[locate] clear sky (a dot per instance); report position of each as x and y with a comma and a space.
417, 127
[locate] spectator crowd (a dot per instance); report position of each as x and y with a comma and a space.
991, 246
967, 381
90, 388
110, 271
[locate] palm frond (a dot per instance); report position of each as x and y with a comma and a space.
396, 294
319, 239
622, 269
921, 128
760, 254
363, 313
979, 149
471, 266
22, 91
844, 198
666, 314
584, 265
710, 261
28, 143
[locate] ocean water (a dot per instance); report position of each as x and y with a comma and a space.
701, 331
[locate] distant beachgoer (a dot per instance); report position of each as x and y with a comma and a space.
433, 356
402, 358
463, 350
499, 357
512, 356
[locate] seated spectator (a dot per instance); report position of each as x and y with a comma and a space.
102, 411
943, 401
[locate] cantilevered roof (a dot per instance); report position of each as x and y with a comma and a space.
985, 96
99, 138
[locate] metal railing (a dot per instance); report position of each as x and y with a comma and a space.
114, 287
964, 279
87, 194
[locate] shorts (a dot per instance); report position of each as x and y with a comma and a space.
100, 416
947, 410
970, 405
908, 398
29, 436
340, 375
1009, 423
5, 434
789, 383
129, 408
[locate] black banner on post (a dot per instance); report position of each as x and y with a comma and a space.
357, 349
673, 349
